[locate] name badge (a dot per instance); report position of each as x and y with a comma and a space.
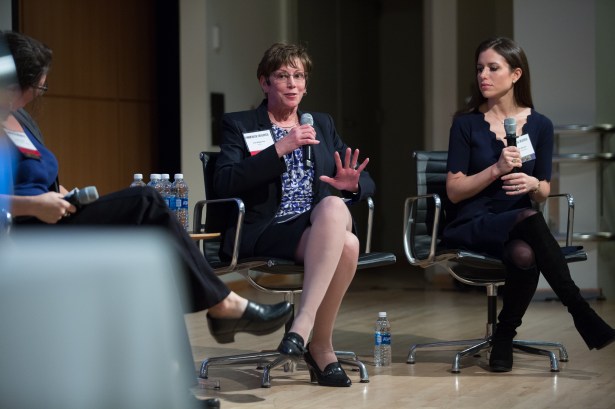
258, 140
525, 147
23, 143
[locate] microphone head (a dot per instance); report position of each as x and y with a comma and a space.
510, 126
87, 195
307, 119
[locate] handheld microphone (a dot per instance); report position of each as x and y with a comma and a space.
510, 126
82, 197
308, 158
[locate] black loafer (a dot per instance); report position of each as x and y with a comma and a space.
292, 346
333, 375
257, 319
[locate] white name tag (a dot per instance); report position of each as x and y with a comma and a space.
525, 147
258, 140
23, 143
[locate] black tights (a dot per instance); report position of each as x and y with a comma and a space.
517, 251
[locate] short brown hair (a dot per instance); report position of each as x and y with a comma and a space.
280, 54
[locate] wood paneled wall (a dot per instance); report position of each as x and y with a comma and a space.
99, 114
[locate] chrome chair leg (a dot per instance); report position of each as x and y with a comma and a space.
538, 351
563, 354
464, 342
249, 358
279, 361
473, 350
363, 375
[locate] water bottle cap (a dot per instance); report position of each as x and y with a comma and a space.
165, 175
155, 176
138, 175
179, 176
382, 314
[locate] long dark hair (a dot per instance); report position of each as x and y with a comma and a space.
515, 57
32, 58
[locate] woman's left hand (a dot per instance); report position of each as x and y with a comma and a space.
347, 175
518, 183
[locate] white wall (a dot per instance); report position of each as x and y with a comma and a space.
245, 29
559, 39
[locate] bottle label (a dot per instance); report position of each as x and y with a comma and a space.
184, 203
171, 202
382, 338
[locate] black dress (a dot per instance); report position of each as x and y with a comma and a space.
482, 223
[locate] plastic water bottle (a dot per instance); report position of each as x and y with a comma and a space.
137, 180
382, 341
180, 189
167, 191
154, 181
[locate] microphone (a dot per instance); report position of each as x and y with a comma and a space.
82, 197
308, 158
510, 126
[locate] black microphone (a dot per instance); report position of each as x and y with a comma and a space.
510, 126
82, 197
308, 158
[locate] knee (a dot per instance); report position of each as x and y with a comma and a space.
351, 248
332, 209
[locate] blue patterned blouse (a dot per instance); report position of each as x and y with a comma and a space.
297, 195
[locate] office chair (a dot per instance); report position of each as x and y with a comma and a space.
212, 215
424, 220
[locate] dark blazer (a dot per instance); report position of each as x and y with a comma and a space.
257, 179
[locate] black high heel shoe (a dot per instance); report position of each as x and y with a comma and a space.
292, 346
257, 319
333, 375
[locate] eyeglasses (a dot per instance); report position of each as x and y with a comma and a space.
42, 88
285, 77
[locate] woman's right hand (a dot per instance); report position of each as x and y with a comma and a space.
50, 207
510, 158
297, 137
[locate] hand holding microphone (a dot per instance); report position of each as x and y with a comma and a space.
79, 198
510, 126
308, 154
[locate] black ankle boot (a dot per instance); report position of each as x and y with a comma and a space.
501, 355
595, 332
518, 292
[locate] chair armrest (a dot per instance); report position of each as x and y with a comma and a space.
410, 227
5, 221
241, 212
569, 215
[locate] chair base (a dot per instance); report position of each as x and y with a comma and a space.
476, 346
269, 360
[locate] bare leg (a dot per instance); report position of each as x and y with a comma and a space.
329, 251
232, 306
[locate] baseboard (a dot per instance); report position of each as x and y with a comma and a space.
547, 294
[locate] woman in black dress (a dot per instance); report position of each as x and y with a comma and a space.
493, 209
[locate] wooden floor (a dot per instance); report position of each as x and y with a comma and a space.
420, 312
